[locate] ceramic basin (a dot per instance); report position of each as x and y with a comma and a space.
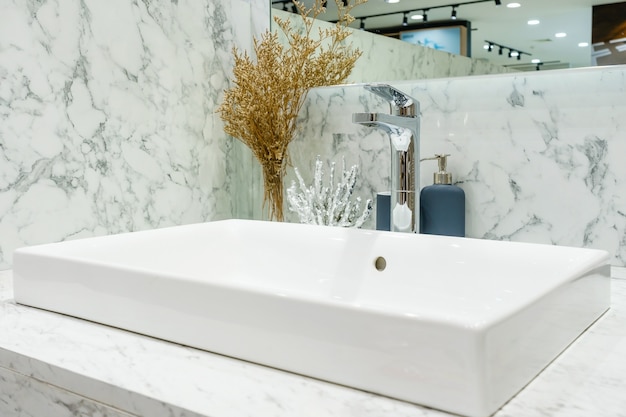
451, 323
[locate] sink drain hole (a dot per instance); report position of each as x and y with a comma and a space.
380, 263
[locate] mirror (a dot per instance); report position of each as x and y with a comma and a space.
531, 33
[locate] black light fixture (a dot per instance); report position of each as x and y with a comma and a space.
405, 20
425, 11
513, 52
453, 15
362, 25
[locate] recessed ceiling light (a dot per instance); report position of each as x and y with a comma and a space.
513, 5
560, 35
583, 44
392, 1
536, 61
533, 22
417, 17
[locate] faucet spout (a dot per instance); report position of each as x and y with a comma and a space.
400, 104
402, 127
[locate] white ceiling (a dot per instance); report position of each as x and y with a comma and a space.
503, 25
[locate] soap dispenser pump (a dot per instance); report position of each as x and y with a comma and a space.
442, 205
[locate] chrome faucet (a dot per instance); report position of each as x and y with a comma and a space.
402, 126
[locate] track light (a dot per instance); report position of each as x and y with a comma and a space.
406, 13
362, 25
489, 45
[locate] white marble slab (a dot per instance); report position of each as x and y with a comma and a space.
23, 396
106, 115
145, 376
539, 155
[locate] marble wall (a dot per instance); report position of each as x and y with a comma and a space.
106, 114
107, 126
387, 59
539, 155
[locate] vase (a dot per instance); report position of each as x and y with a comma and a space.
273, 189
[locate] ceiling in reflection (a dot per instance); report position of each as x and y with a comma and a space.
501, 24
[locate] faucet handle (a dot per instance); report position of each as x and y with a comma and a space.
400, 103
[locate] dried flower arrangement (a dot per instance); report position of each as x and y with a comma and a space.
261, 108
326, 204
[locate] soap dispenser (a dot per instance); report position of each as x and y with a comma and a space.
442, 205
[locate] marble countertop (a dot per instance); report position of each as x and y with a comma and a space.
150, 377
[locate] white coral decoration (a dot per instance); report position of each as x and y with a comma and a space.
326, 205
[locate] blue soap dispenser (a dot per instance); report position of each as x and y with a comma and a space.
442, 205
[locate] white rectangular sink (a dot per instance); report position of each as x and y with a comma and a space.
456, 324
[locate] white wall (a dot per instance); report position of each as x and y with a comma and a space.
106, 115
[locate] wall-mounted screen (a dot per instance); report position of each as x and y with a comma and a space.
452, 39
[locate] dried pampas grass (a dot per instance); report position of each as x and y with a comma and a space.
261, 108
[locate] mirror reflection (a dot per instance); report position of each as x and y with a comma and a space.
522, 35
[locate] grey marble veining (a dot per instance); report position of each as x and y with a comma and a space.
24, 396
539, 155
107, 116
